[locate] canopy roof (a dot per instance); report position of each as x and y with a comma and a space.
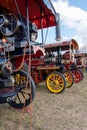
65, 45
39, 10
79, 55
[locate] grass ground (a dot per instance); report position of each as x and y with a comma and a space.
64, 111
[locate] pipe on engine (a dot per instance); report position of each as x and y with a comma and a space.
57, 27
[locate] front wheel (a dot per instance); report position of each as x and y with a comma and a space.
69, 78
27, 89
55, 82
77, 76
82, 76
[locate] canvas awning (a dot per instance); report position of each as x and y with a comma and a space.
40, 11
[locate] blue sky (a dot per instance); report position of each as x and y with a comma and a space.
73, 21
79, 3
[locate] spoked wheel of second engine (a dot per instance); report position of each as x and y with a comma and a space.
82, 76
55, 82
26, 88
77, 76
69, 78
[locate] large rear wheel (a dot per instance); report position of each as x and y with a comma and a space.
27, 89
55, 82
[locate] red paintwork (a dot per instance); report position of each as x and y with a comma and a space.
65, 45
36, 57
34, 8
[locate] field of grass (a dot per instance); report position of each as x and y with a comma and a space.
64, 111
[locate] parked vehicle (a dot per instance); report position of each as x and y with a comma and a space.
71, 63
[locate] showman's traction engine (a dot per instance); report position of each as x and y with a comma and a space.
14, 43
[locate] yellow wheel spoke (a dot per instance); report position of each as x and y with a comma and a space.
55, 82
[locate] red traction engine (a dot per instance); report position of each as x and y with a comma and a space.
69, 63
40, 71
54, 58
17, 87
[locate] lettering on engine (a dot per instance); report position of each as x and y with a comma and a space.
11, 98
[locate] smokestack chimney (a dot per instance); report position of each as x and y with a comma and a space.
57, 27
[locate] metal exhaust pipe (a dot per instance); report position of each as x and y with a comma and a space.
57, 27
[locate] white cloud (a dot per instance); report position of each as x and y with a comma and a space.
73, 18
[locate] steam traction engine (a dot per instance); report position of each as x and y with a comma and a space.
16, 86
70, 61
